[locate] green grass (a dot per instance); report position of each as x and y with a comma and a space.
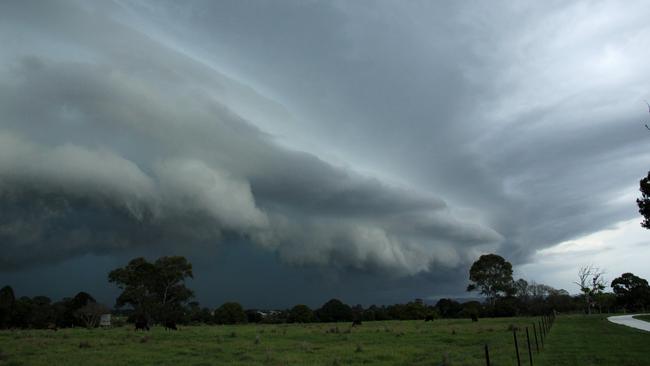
373, 343
645, 318
574, 340
593, 340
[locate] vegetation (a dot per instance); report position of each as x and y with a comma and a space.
632, 292
592, 284
491, 275
645, 318
644, 201
592, 340
156, 291
460, 341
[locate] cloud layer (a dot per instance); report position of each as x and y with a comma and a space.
401, 139
104, 150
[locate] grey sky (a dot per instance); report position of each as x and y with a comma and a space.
367, 150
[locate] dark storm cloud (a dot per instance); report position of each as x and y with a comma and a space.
530, 115
352, 137
105, 150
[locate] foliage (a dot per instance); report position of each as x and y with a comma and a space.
448, 308
301, 314
155, 290
631, 291
7, 303
195, 314
644, 201
491, 275
334, 311
230, 313
90, 314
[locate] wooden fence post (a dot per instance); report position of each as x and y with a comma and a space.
530, 352
535, 332
514, 333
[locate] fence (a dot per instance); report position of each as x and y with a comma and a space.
540, 329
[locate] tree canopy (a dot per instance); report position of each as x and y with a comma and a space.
230, 313
491, 275
631, 291
155, 290
301, 314
334, 311
644, 201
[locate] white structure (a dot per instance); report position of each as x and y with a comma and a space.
105, 320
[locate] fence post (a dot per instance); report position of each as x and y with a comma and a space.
514, 333
541, 332
535, 332
487, 356
530, 352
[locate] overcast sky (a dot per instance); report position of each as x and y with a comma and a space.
297, 151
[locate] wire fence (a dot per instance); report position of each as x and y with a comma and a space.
540, 330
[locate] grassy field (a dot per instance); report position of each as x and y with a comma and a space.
375, 343
575, 340
645, 318
592, 340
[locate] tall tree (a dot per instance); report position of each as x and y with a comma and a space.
7, 303
334, 311
155, 290
591, 283
230, 313
90, 314
644, 201
631, 291
491, 275
301, 314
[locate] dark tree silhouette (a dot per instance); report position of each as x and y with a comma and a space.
491, 275
230, 313
154, 290
631, 291
301, 314
644, 201
334, 311
7, 303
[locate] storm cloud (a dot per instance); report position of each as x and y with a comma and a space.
111, 150
401, 140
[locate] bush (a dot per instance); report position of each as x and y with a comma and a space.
230, 313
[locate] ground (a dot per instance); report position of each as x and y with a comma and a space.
592, 340
574, 340
643, 317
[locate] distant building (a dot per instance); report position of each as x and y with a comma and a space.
105, 320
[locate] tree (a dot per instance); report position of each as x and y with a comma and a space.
591, 283
68, 317
491, 274
301, 314
154, 290
7, 303
334, 311
644, 201
521, 289
631, 291
448, 308
230, 313
42, 312
91, 313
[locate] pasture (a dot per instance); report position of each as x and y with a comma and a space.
573, 340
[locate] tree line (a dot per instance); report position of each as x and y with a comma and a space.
155, 292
